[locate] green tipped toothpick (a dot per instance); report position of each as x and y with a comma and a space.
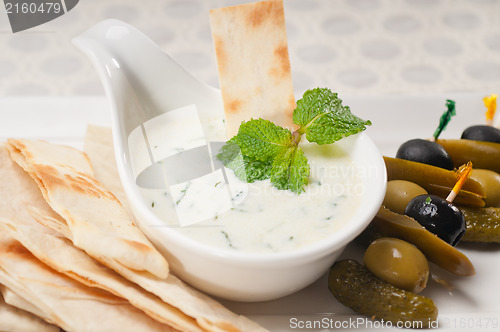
445, 118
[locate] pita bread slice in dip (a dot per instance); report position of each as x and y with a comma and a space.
13, 319
253, 62
97, 221
63, 301
209, 314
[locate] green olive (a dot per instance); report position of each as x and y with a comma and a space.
490, 181
399, 193
398, 262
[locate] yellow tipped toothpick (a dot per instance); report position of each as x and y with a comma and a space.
463, 174
491, 107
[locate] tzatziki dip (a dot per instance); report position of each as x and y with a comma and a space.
258, 217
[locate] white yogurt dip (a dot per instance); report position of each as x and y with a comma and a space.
263, 218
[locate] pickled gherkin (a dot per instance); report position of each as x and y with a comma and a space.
356, 287
482, 224
485, 155
436, 250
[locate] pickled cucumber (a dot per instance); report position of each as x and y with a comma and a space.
368, 235
485, 155
436, 250
437, 181
357, 288
482, 224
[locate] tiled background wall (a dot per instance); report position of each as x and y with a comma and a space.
352, 46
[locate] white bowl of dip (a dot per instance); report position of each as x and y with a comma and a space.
276, 242
270, 243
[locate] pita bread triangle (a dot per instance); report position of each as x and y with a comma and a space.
18, 221
95, 218
14, 319
63, 301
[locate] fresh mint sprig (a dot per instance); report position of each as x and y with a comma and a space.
262, 150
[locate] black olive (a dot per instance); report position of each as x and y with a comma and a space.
438, 216
425, 152
482, 133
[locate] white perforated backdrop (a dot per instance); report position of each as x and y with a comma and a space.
351, 46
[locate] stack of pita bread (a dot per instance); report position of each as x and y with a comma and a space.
71, 255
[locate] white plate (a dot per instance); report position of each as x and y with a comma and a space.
472, 304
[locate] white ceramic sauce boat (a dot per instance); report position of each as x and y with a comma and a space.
141, 83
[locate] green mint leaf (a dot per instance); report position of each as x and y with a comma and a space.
323, 119
262, 140
245, 168
262, 150
290, 170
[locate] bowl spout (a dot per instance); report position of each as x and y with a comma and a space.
158, 109
140, 80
